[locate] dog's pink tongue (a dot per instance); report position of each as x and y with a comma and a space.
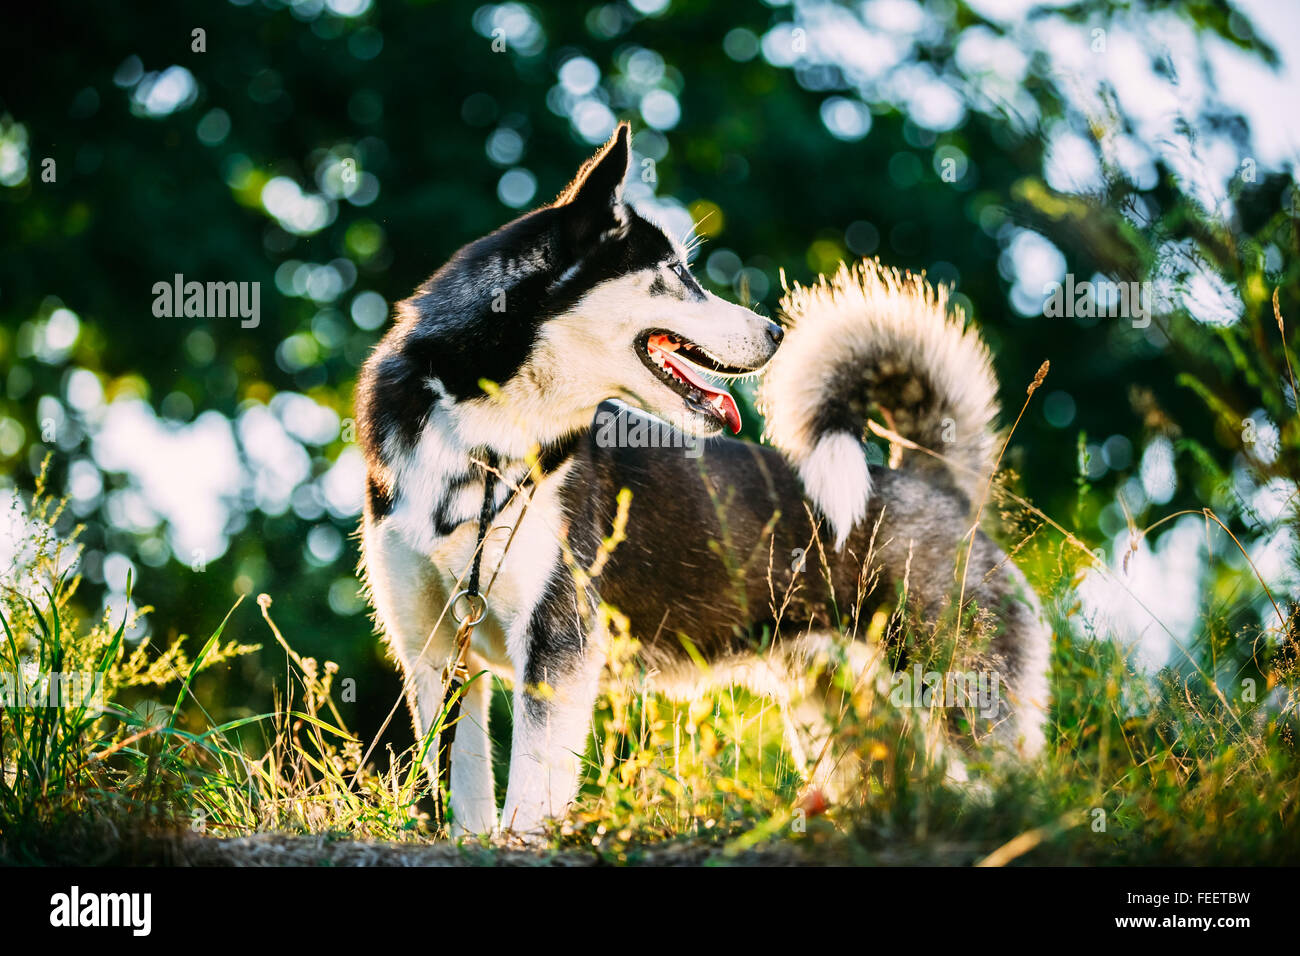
719, 398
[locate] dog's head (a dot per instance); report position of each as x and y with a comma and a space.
578, 302
634, 324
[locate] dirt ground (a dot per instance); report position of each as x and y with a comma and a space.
123, 848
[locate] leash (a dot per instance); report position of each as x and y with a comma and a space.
456, 673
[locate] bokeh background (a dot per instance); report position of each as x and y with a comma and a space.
337, 151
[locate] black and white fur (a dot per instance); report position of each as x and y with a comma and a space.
510, 349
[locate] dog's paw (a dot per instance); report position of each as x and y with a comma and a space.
522, 839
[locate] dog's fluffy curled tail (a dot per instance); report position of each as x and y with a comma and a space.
876, 339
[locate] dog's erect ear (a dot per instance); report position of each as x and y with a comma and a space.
593, 202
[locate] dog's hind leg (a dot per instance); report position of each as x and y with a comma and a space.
1018, 652
825, 674
409, 598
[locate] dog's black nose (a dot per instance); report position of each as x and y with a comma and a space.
775, 333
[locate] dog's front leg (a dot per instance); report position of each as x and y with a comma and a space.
554, 698
409, 597
473, 798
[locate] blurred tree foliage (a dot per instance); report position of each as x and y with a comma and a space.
369, 141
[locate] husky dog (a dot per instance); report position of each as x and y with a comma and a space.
503, 359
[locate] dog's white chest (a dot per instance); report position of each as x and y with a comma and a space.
521, 554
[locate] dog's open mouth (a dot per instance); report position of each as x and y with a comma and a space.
674, 361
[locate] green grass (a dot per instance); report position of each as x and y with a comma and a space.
1170, 768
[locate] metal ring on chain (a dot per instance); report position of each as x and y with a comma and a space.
460, 619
